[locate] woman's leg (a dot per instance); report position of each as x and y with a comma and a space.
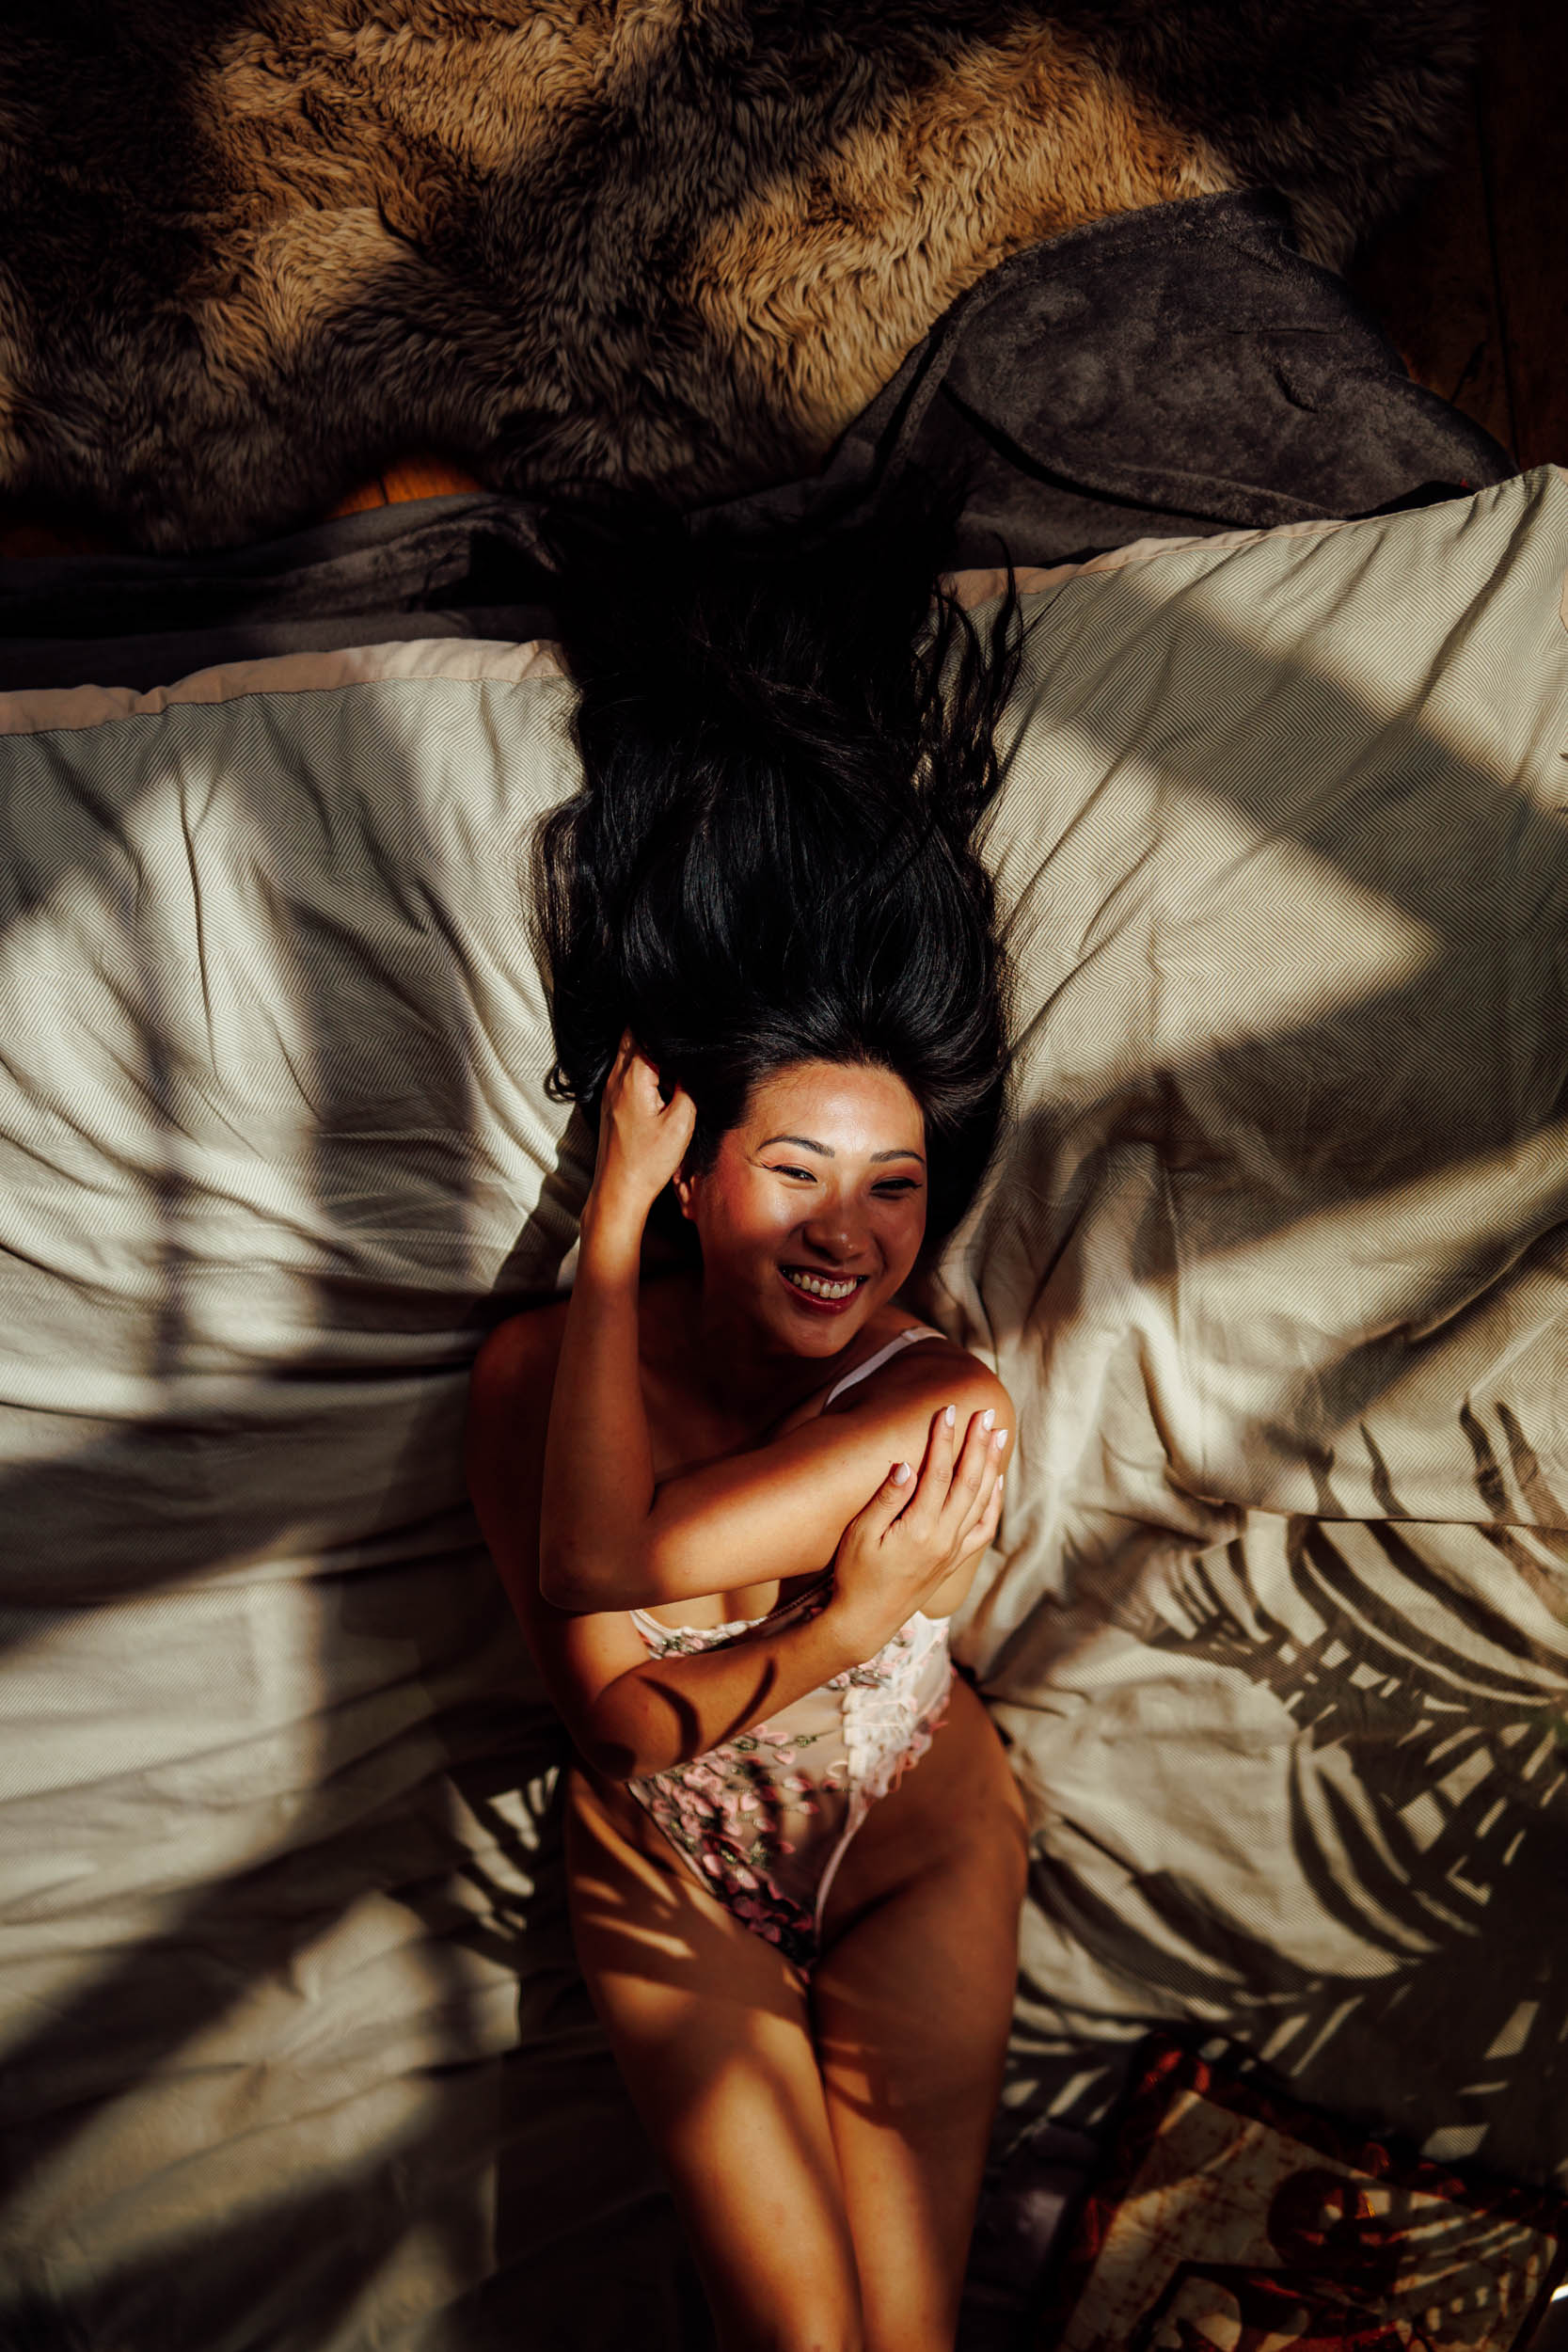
912, 2003
709, 2025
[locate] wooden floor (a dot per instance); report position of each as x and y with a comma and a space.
1470, 282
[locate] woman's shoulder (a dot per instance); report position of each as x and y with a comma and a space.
918, 1357
523, 1350
899, 1360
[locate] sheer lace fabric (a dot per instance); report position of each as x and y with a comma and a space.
764, 1820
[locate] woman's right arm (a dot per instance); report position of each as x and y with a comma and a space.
630, 1714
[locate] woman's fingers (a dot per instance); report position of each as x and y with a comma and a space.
650, 1134
950, 1511
973, 1474
974, 1501
925, 1505
680, 1116
996, 1453
954, 1479
632, 1073
877, 1516
985, 1527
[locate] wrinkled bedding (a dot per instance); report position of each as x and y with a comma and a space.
1271, 1259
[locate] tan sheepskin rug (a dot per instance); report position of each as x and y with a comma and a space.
254, 248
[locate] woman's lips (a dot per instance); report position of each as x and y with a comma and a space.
818, 1304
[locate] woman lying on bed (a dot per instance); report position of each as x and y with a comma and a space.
735, 1491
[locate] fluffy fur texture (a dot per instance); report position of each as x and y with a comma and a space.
254, 248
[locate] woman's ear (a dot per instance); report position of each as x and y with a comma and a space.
684, 1182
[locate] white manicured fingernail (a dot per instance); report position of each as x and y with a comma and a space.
1001, 1440
989, 1417
950, 1415
902, 1473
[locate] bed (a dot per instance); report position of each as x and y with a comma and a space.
1271, 1259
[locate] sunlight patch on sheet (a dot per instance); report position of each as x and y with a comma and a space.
1295, 937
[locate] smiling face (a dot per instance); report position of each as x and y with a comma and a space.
813, 1212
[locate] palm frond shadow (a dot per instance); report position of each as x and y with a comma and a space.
1426, 1817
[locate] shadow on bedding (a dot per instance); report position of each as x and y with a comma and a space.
291, 2002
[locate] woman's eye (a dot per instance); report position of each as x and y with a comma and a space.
894, 1185
804, 1173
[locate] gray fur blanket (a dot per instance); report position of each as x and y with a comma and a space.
253, 249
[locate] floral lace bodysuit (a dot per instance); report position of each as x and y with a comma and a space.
764, 1820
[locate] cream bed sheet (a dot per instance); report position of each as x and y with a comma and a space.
1271, 1260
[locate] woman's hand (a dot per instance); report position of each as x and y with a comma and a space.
916, 1530
642, 1138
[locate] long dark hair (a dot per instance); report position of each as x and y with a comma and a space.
787, 755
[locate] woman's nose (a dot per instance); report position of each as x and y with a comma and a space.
836, 1231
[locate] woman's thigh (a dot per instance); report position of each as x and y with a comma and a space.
911, 2005
710, 2028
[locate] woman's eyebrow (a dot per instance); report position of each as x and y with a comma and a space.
826, 1151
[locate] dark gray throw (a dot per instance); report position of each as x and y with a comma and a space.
1176, 371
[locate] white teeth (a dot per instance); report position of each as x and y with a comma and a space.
818, 1286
